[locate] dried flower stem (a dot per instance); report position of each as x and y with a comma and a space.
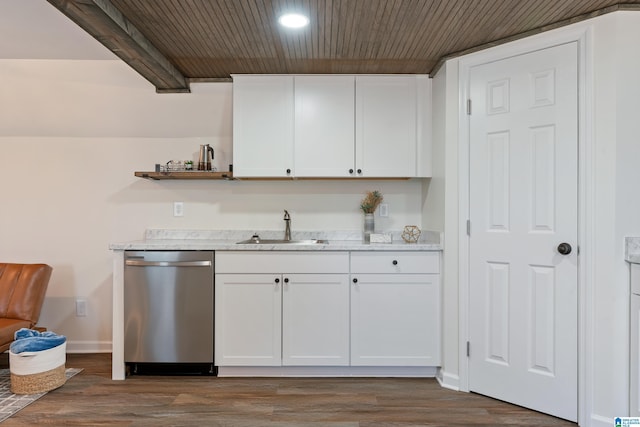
371, 201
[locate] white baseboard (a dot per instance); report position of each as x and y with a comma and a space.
600, 421
88, 346
449, 381
326, 371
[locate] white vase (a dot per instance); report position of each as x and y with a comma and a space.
369, 226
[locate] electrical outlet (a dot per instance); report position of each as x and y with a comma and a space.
383, 209
178, 209
81, 308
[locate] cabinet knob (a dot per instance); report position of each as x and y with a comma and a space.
277, 280
360, 171
288, 171
394, 262
355, 280
350, 171
286, 280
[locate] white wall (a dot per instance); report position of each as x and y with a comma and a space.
441, 207
617, 205
612, 127
72, 134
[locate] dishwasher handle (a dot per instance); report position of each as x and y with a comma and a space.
141, 263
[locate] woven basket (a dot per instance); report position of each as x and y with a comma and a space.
38, 383
38, 372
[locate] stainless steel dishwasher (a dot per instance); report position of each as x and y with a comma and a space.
169, 312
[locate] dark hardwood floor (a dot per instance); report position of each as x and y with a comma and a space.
91, 398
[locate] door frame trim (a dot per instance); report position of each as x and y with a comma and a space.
582, 35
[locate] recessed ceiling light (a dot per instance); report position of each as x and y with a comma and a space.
293, 20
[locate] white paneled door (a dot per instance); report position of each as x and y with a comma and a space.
523, 230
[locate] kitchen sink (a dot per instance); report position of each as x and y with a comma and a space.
258, 241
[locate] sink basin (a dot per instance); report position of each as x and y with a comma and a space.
254, 241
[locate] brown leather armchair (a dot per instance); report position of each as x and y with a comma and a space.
22, 290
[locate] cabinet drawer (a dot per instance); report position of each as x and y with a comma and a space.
395, 262
281, 262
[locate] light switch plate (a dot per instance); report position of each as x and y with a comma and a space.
178, 209
81, 308
383, 210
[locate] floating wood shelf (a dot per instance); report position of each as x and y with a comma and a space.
185, 175
229, 176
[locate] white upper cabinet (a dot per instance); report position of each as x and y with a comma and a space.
263, 126
332, 126
386, 119
324, 127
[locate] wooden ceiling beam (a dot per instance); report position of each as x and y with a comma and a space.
108, 25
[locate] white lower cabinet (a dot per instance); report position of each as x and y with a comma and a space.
299, 318
395, 313
327, 309
315, 320
248, 320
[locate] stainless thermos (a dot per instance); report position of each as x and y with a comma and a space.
206, 156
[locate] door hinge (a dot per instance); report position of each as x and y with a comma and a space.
468, 348
468, 227
468, 107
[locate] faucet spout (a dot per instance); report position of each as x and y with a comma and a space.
287, 226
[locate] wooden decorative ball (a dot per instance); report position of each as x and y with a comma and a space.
411, 234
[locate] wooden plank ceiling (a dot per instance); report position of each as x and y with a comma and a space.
172, 42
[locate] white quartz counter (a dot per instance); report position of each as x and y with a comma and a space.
224, 240
632, 250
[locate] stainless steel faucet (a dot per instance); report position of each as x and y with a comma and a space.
287, 226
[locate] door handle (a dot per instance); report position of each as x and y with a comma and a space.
564, 248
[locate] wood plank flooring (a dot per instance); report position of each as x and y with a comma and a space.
91, 398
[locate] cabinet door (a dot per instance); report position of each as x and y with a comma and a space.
395, 320
386, 126
248, 320
315, 320
324, 126
634, 372
263, 126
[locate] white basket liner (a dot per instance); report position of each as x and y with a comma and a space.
35, 362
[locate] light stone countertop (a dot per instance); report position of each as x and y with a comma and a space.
226, 240
632, 250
